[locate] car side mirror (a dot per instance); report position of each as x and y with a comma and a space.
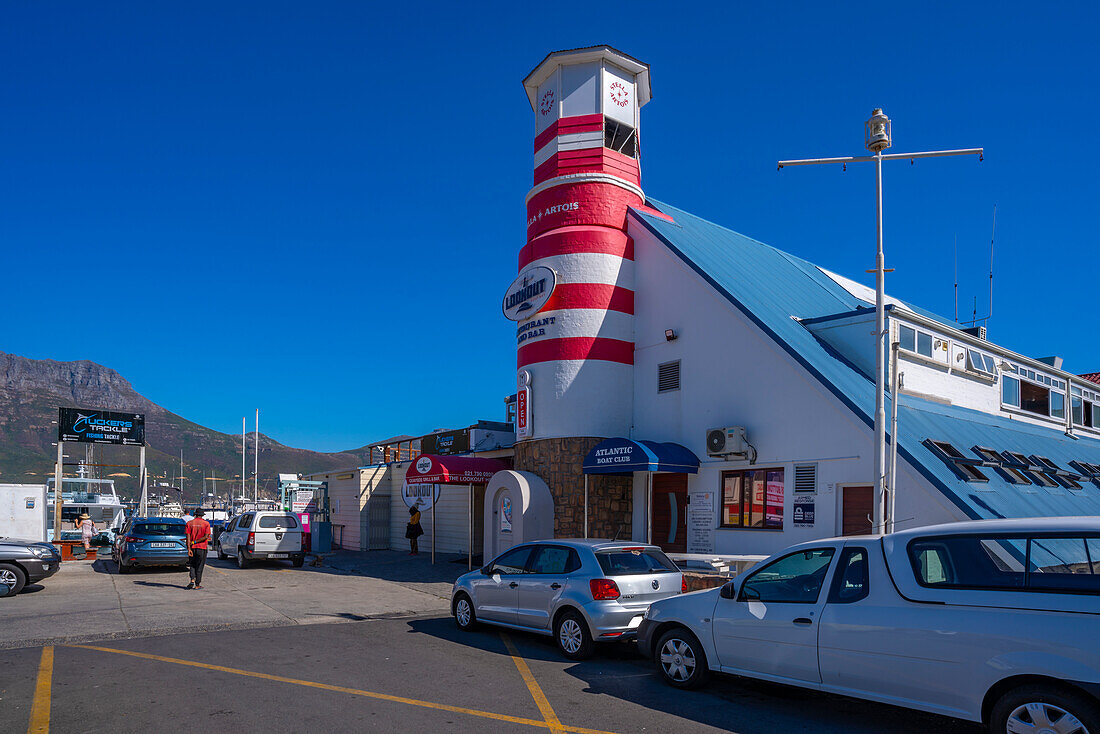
486, 570
728, 590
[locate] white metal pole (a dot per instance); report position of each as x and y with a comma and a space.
895, 384
649, 508
143, 502
434, 500
244, 447
880, 348
57, 500
586, 505
470, 543
256, 475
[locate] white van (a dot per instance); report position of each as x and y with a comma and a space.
262, 535
995, 621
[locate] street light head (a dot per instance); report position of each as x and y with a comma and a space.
878, 131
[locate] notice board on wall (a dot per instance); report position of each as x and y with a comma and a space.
701, 521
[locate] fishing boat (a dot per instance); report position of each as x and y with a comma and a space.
79, 495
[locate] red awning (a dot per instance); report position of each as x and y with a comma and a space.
432, 469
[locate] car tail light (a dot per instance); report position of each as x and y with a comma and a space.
603, 589
252, 539
683, 585
132, 539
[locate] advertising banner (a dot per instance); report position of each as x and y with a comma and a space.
83, 425
523, 413
701, 521
446, 444
803, 512
505, 513
420, 495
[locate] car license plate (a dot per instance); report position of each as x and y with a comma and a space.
161, 545
277, 555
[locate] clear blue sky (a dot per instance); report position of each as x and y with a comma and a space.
314, 208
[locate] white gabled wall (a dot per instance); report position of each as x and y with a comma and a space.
733, 374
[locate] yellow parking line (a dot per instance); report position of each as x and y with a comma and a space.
352, 691
533, 686
40, 709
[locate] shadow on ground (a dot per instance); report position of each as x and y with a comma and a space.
738, 704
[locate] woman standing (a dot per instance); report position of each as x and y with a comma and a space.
413, 530
87, 530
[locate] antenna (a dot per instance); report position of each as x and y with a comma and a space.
992, 236
956, 278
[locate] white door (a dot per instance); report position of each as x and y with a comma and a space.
771, 627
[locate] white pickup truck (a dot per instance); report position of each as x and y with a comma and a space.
262, 535
995, 621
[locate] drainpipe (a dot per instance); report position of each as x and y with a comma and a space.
895, 383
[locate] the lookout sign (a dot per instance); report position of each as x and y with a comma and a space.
529, 292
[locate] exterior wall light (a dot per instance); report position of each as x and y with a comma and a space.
670, 335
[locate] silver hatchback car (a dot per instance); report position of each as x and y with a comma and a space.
579, 591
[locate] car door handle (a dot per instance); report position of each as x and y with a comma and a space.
803, 620
513, 585
555, 585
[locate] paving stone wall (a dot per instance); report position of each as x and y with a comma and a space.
558, 461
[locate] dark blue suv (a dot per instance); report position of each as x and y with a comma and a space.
150, 541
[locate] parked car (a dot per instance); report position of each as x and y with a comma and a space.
995, 621
25, 562
150, 541
262, 535
579, 591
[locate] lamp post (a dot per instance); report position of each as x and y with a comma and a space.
877, 138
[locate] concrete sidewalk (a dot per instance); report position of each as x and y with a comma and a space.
413, 572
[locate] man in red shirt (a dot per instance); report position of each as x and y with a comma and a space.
198, 535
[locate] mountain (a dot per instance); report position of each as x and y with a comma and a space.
31, 390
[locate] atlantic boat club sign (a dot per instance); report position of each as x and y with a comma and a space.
81, 425
529, 292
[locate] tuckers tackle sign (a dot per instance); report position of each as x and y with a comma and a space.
79, 425
528, 293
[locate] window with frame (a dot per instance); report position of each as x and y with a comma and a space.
620, 137
753, 499
1035, 473
850, 583
1082, 407
512, 562
995, 461
914, 340
981, 363
964, 467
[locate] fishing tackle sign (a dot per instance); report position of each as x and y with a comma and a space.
81, 425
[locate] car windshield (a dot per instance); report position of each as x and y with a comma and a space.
158, 528
634, 561
278, 521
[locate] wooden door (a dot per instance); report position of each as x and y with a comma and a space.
670, 497
858, 504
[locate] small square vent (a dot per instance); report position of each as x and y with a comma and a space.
668, 376
805, 478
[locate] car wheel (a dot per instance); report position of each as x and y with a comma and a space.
680, 659
465, 617
574, 639
221, 554
298, 562
242, 562
12, 579
122, 567
1044, 708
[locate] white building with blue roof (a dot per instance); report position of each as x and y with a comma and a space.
685, 384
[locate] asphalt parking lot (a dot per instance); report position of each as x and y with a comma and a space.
350, 653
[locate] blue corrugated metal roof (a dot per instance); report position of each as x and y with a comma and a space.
770, 286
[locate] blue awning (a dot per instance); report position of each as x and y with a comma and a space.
624, 455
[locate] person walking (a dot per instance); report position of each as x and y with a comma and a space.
87, 530
413, 530
198, 536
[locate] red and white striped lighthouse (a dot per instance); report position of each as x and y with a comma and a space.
574, 297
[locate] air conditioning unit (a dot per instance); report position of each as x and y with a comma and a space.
727, 441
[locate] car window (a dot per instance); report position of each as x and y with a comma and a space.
554, 559
795, 578
634, 561
230, 525
513, 561
1093, 547
245, 522
158, 528
973, 562
278, 521
1062, 564
850, 581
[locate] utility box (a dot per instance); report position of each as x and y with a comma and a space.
23, 511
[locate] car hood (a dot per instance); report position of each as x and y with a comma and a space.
694, 603
20, 542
